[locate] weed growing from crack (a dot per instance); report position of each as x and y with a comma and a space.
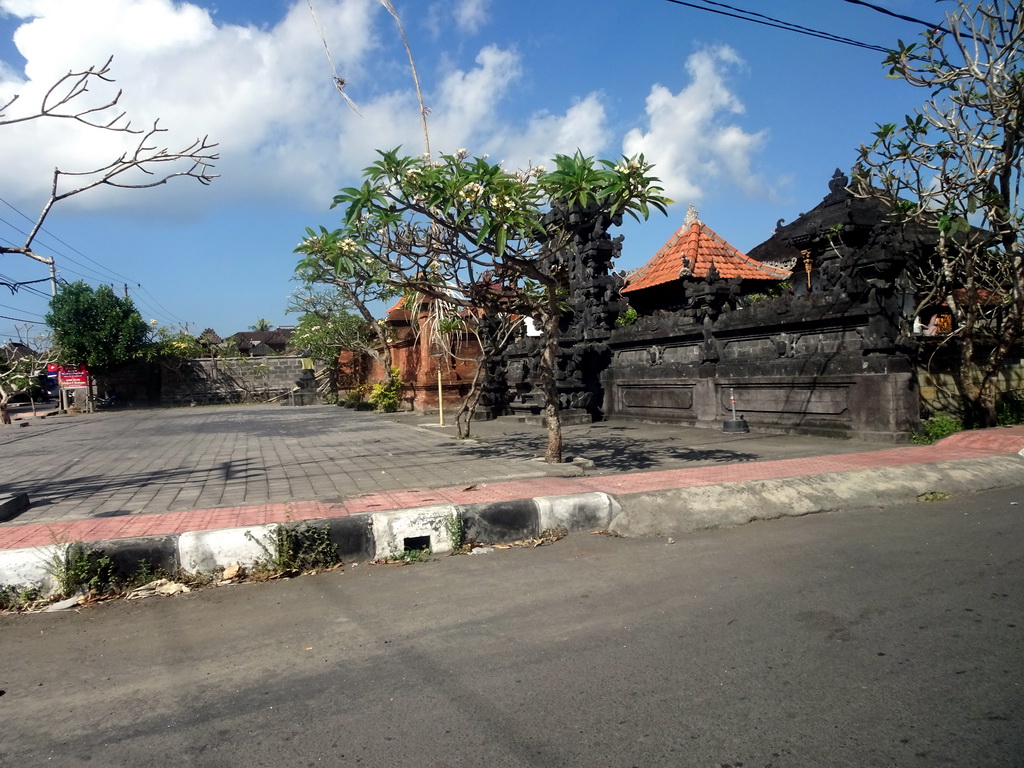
411, 556
77, 568
18, 598
455, 530
296, 548
935, 428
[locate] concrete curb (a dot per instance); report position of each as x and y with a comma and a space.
684, 510
378, 535
667, 512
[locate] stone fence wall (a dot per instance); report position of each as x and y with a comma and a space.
938, 386
815, 364
207, 381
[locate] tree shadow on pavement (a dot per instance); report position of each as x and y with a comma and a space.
44, 494
614, 453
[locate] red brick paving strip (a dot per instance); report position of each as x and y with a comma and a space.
965, 445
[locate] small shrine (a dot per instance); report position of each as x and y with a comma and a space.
695, 254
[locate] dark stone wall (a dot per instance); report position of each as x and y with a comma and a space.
810, 364
828, 355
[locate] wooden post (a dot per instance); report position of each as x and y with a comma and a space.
440, 398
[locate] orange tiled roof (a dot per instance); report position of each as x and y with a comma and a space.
691, 252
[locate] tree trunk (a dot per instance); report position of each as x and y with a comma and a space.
333, 376
383, 356
968, 389
553, 453
466, 412
988, 403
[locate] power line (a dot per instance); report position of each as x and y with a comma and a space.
108, 270
14, 285
165, 313
171, 314
152, 311
768, 21
19, 309
887, 12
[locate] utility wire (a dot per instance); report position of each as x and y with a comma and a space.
26, 284
760, 18
768, 21
19, 309
887, 12
45, 231
165, 309
14, 285
165, 313
19, 319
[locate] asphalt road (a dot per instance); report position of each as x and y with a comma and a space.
890, 638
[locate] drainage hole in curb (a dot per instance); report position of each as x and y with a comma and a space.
417, 543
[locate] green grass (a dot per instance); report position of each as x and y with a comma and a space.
935, 428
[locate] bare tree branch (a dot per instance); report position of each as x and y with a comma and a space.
58, 98
146, 159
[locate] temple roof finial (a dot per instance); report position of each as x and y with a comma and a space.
691, 215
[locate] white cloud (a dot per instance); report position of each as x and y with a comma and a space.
461, 112
467, 100
470, 15
466, 112
582, 127
690, 136
265, 94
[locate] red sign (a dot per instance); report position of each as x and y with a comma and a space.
73, 376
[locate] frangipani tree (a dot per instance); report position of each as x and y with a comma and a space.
144, 164
466, 231
21, 369
955, 167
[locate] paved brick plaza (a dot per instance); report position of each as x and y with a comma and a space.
147, 472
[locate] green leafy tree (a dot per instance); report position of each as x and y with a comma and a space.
327, 326
954, 167
361, 283
96, 328
260, 325
174, 344
466, 231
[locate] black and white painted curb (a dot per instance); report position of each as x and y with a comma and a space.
358, 537
669, 512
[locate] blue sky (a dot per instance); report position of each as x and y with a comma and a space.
745, 122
